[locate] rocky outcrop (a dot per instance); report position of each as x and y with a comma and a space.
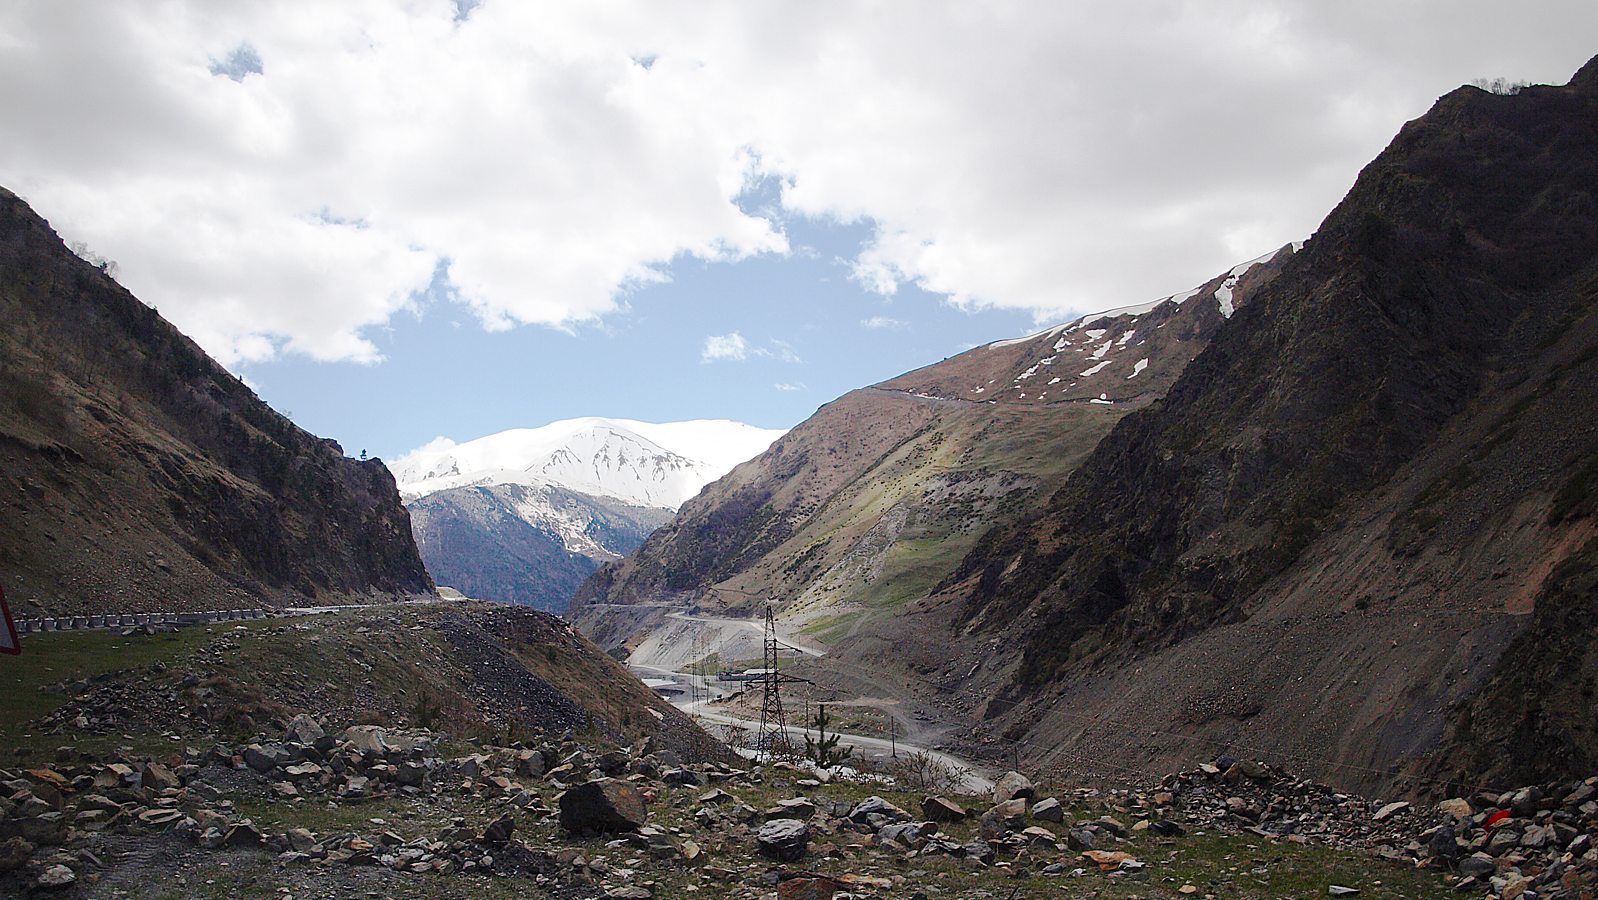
142, 475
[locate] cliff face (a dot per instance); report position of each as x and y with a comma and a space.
138, 473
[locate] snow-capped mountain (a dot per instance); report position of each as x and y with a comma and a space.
642, 463
523, 516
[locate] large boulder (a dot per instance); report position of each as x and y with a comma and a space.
368, 740
606, 805
877, 812
784, 840
938, 809
998, 821
302, 729
1012, 786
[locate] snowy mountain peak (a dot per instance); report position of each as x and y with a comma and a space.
643, 463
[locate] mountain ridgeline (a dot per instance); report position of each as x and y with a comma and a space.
1345, 518
141, 475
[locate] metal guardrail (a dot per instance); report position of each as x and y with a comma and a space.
39, 624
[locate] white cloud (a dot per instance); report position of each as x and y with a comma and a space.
724, 347
1044, 157
881, 323
789, 387
782, 350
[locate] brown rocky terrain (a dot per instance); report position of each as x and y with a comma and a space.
1354, 536
451, 748
137, 474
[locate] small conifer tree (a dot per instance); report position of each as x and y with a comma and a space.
824, 750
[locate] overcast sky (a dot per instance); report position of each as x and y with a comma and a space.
403, 219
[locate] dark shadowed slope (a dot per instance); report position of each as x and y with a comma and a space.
138, 474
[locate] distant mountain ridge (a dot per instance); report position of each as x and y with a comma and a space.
525, 515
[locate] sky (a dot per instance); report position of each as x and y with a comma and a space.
400, 220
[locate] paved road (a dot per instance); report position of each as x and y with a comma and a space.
975, 780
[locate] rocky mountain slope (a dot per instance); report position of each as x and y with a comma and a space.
526, 544
139, 474
1350, 530
876, 498
1356, 533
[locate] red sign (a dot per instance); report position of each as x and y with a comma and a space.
8, 634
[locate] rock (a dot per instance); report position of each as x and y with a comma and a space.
531, 763
301, 839
794, 808
630, 892
1478, 864
1389, 810
612, 763
876, 806
302, 729
981, 851
160, 818
303, 770
499, 830
159, 778
55, 878
244, 835
1048, 810
1253, 770
1079, 839
1109, 859
1166, 828
14, 854
1003, 817
1444, 845
607, 805
906, 833
682, 777
1038, 835
257, 758
783, 840
1458, 807
1011, 786
411, 774
368, 740
808, 886
1337, 890
938, 809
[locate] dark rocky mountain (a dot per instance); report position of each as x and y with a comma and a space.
1355, 535
527, 544
139, 474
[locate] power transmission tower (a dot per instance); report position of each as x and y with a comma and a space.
773, 735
